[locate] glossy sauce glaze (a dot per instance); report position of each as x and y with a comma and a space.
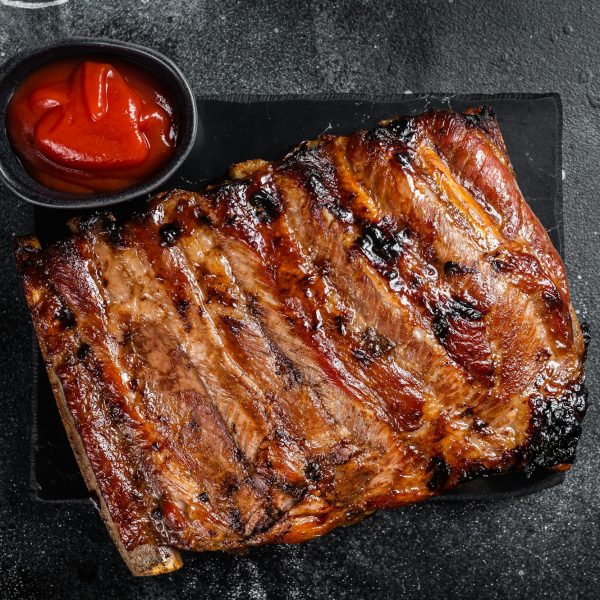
367, 322
91, 127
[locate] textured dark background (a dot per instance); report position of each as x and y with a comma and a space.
542, 546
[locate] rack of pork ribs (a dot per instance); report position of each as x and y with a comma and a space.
365, 323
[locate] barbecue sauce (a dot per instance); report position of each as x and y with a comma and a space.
90, 127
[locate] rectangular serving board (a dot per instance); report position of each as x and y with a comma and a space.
235, 129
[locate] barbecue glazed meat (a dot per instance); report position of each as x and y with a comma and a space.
365, 323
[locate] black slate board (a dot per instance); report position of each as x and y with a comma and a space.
239, 128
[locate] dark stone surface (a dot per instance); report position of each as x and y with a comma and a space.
540, 546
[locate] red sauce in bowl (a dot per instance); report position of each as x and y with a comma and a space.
88, 127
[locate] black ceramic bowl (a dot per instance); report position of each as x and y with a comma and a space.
13, 72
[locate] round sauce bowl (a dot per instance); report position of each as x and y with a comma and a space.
17, 175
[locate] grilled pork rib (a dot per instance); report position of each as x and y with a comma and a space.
365, 323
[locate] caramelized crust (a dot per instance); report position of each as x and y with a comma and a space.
365, 323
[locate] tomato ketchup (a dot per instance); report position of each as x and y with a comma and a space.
90, 126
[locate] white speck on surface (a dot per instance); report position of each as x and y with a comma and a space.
328, 128
563, 174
